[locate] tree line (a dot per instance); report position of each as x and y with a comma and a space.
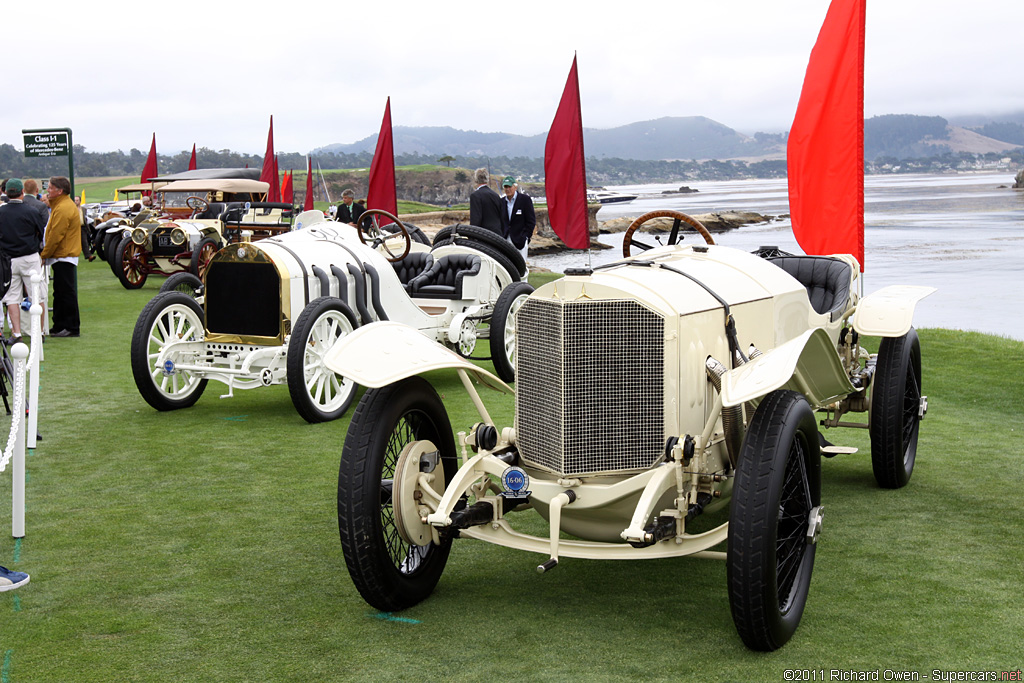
600, 170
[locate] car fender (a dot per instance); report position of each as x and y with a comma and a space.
808, 364
386, 352
889, 312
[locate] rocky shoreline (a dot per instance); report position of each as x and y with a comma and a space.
546, 242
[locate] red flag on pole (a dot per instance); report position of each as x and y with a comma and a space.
269, 172
287, 194
825, 153
149, 170
565, 173
382, 193
307, 205
192, 161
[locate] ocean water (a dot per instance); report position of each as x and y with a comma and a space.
963, 234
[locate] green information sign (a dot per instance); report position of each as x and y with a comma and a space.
47, 144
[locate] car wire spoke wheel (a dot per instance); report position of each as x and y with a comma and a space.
318, 393
389, 572
897, 405
774, 519
169, 317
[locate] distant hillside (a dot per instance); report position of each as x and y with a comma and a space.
905, 136
686, 137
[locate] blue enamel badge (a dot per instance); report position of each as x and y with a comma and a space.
515, 481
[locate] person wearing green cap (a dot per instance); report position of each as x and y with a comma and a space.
518, 218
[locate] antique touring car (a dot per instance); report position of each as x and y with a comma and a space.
193, 215
648, 392
271, 309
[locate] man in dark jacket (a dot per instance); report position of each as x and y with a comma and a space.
21, 235
349, 211
518, 218
485, 204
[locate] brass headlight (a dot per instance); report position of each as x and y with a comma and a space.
139, 235
178, 236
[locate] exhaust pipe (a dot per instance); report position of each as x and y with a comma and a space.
732, 417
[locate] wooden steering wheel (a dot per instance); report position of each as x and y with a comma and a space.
197, 204
679, 218
370, 233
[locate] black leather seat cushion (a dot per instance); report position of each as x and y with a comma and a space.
415, 263
827, 280
443, 280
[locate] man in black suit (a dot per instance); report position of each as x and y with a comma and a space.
485, 204
517, 216
348, 211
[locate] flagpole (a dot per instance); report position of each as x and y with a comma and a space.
323, 182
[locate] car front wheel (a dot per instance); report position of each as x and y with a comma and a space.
168, 317
773, 521
319, 394
389, 572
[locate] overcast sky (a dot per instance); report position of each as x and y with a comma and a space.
213, 72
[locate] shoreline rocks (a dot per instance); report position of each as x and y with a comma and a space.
546, 242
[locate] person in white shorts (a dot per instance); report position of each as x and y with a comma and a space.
21, 235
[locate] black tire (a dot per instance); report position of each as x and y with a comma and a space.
769, 558
161, 315
483, 249
186, 283
322, 322
131, 259
488, 237
389, 573
110, 243
97, 245
502, 334
895, 410
202, 255
415, 233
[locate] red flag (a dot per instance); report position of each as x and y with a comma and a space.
382, 193
825, 153
287, 195
192, 161
565, 173
149, 170
307, 205
277, 190
269, 172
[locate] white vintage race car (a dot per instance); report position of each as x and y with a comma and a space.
271, 309
648, 392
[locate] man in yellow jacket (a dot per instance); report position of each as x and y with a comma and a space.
62, 245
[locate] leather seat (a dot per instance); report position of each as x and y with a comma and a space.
443, 280
827, 280
415, 263
213, 210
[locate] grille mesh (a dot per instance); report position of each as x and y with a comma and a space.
589, 385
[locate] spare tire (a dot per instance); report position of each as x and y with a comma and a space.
486, 249
487, 236
415, 233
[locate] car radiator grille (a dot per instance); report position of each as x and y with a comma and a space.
589, 386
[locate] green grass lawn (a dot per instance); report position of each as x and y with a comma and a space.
202, 545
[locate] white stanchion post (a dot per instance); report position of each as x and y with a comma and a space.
37, 353
20, 353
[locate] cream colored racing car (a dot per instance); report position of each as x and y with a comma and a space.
649, 392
